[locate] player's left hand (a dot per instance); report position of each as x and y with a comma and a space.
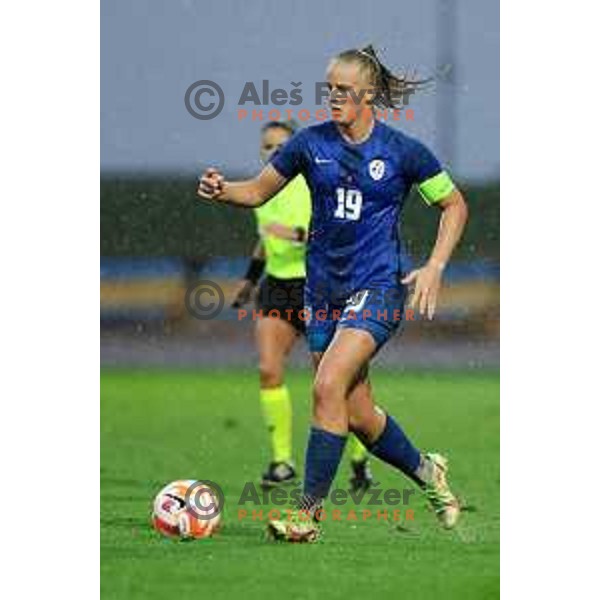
427, 280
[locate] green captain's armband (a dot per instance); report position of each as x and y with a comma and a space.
436, 188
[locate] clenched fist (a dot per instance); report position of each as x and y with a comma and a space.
210, 185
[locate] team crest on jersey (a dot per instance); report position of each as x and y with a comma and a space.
376, 169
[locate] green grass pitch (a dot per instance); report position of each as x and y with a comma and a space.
160, 426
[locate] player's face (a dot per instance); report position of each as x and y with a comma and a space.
350, 92
272, 139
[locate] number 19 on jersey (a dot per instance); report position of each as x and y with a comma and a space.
349, 204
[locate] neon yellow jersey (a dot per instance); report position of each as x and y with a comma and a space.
292, 207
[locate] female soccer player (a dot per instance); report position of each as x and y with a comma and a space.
283, 226
359, 171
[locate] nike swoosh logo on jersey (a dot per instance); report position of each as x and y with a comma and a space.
322, 161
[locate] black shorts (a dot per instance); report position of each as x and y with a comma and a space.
283, 299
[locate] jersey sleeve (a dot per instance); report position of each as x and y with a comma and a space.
289, 160
426, 172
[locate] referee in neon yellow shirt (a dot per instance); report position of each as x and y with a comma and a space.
283, 224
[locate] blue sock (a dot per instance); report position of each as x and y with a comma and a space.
396, 449
323, 456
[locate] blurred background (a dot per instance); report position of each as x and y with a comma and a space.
157, 238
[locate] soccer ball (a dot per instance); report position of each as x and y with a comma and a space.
187, 509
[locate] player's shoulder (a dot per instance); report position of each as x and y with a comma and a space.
392, 135
319, 131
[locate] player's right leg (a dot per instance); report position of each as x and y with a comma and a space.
275, 338
361, 477
338, 370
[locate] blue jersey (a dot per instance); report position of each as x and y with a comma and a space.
357, 191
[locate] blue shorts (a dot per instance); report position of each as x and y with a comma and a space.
378, 311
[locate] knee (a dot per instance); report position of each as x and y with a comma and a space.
326, 390
271, 374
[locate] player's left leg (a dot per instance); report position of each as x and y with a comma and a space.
378, 318
361, 478
385, 439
